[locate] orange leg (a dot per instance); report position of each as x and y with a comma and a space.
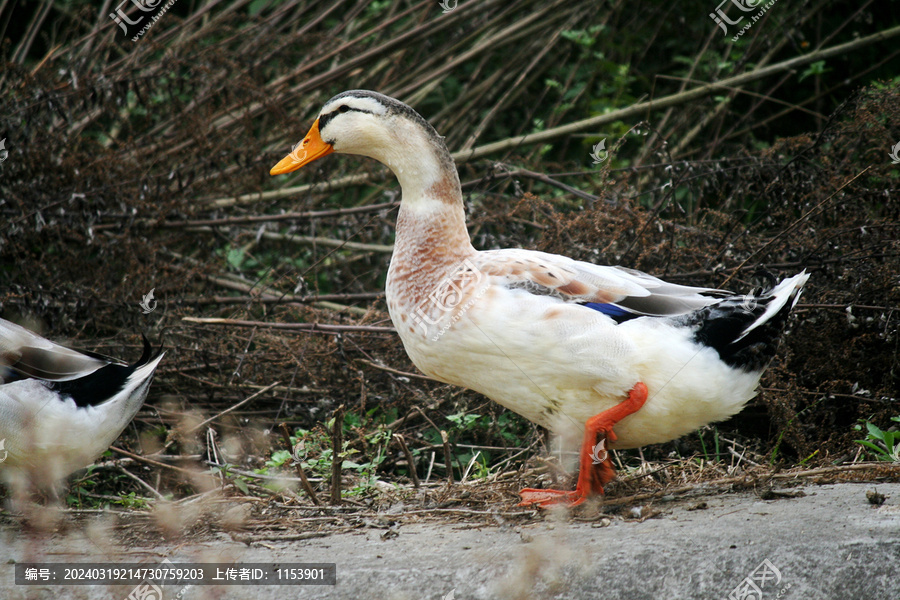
591, 478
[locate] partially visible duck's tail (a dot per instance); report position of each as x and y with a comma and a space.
113, 382
745, 330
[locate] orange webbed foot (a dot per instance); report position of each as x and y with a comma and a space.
548, 498
595, 467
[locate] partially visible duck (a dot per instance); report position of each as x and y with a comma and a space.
60, 409
608, 355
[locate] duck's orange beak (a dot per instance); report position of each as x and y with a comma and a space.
311, 148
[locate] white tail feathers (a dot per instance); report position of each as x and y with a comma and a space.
786, 291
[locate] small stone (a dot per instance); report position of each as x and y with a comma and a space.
875, 498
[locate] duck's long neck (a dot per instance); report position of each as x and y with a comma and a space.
431, 226
431, 240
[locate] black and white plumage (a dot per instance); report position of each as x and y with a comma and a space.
60, 409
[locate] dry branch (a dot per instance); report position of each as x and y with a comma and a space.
635, 110
290, 299
448, 456
301, 472
337, 454
397, 372
308, 240
322, 327
280, 297
154, 463
409, 459
288, 216
232, 408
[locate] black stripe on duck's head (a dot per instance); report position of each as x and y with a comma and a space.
369, 124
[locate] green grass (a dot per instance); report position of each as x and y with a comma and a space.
880, 444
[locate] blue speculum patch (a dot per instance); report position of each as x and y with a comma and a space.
617, 313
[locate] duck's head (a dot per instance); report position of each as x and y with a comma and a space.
374, 125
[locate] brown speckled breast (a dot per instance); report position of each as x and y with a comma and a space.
427, 249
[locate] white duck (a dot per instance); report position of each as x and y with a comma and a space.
60, 409
575, 347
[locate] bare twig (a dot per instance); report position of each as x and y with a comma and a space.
277, 296
672, 100
308, 240
396, 372
289, 216
289, 299
143, 483
741, 457
236, 406
337, 460
409, 459
747, 479
148, 461
252, 475
304, 480
324, 328
448, 457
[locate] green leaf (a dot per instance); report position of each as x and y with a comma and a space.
257, 7
241, 485
874, 431
235, 257
869, 444
816, 68
278, 458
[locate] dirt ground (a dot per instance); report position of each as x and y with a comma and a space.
805, 541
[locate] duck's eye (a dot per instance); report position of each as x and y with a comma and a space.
343, 108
